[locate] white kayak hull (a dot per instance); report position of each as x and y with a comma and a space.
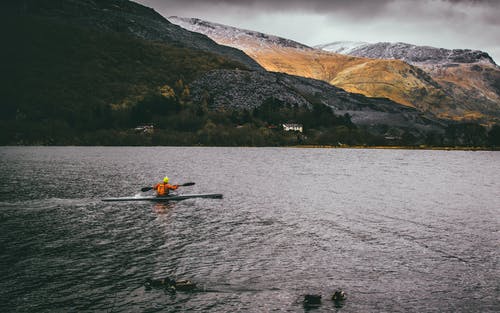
165, 198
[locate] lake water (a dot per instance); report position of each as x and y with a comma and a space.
397, 230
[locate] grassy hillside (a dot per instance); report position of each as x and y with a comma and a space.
77, 78
392, 79
475, 88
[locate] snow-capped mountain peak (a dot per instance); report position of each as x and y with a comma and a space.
343, 47
236, 37
413, 54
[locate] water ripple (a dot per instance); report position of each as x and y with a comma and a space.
403, 231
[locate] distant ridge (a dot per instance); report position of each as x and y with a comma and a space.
412, 54
470, 77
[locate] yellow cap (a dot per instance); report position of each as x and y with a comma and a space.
165, 180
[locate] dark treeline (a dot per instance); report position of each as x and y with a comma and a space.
177, 120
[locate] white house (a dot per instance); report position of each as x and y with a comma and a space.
145, 129
292, 127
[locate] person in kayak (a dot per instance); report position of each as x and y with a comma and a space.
162, 189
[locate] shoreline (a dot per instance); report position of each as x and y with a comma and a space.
400, 148
422, 147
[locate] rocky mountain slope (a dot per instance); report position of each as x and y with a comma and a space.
392, 79
452, 84
246, 40
246, 90
470, 77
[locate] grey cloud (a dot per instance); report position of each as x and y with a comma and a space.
368, 9
307, 5
441, 23
316, 6
476, 2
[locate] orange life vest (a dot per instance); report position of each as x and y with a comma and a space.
162, 188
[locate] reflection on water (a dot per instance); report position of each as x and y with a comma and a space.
406, 231
163, 207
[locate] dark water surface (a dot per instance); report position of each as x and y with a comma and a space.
397, 230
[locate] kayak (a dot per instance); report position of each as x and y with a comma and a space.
165, 198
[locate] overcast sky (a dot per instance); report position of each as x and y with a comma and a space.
464, 24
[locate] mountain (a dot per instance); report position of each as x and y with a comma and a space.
470, 77
89, 71
452, 84
121, 16
392, 79
281, 56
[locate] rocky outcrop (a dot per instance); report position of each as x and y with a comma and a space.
244, 89
247, 90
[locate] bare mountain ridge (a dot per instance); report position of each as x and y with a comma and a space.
412, 54
248, 39
457, 91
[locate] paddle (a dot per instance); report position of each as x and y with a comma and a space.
183, 185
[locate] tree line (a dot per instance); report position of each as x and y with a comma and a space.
177, 120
